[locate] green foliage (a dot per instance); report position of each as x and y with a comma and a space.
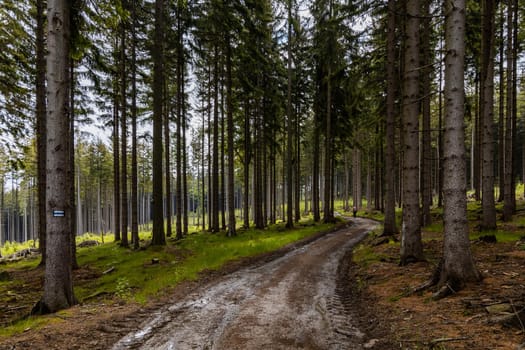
123, 288
12, 247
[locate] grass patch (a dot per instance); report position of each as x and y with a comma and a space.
364, 255
502, 236
27, 324
136, 277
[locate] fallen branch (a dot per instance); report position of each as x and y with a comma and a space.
517, 315
445, 340
14, 308
111, 269
94, 295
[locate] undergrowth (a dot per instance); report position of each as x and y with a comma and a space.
123, 275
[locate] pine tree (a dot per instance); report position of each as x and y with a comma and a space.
158, 85
411, 245
487, 115
58, 283
457, 266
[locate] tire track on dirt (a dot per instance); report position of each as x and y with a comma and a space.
296, 301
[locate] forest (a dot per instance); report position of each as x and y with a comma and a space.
170, 117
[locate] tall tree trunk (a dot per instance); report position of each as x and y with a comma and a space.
124, 136
327, 201
477, 136
411, 245
328, 215
58, 283
40, 127
134, 170
377, 168
203, 175
514, 101
426, 162
223, 160
246, 165
501, 116
297, 163
289, 127
168, 193
458, 265
346, 182
215, 153
487, 115
356, 178
116, 163
209, 156
229, 110
184, 153
178, 151
158, 74
508, 209
71, 145
257, 165
315, 170
389, 225
440, 173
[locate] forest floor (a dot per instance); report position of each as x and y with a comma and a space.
379, 303
477, 317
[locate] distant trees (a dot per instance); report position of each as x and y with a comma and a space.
293, 113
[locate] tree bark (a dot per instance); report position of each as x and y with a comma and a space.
389, 225
508, 194
134, 170
124, 137
487, 114
41, 127
158, 74
215, 153
515, 46
501, 116
411, 245
457, 265
289, 128
246, 165
229, 110
58, 283
426, 154
315, 169
180, 116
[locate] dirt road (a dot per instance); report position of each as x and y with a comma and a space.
298, 301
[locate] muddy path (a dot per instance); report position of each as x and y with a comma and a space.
297, 301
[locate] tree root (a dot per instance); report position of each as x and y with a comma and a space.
433, 281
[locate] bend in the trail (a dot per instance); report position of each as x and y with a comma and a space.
297, 301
